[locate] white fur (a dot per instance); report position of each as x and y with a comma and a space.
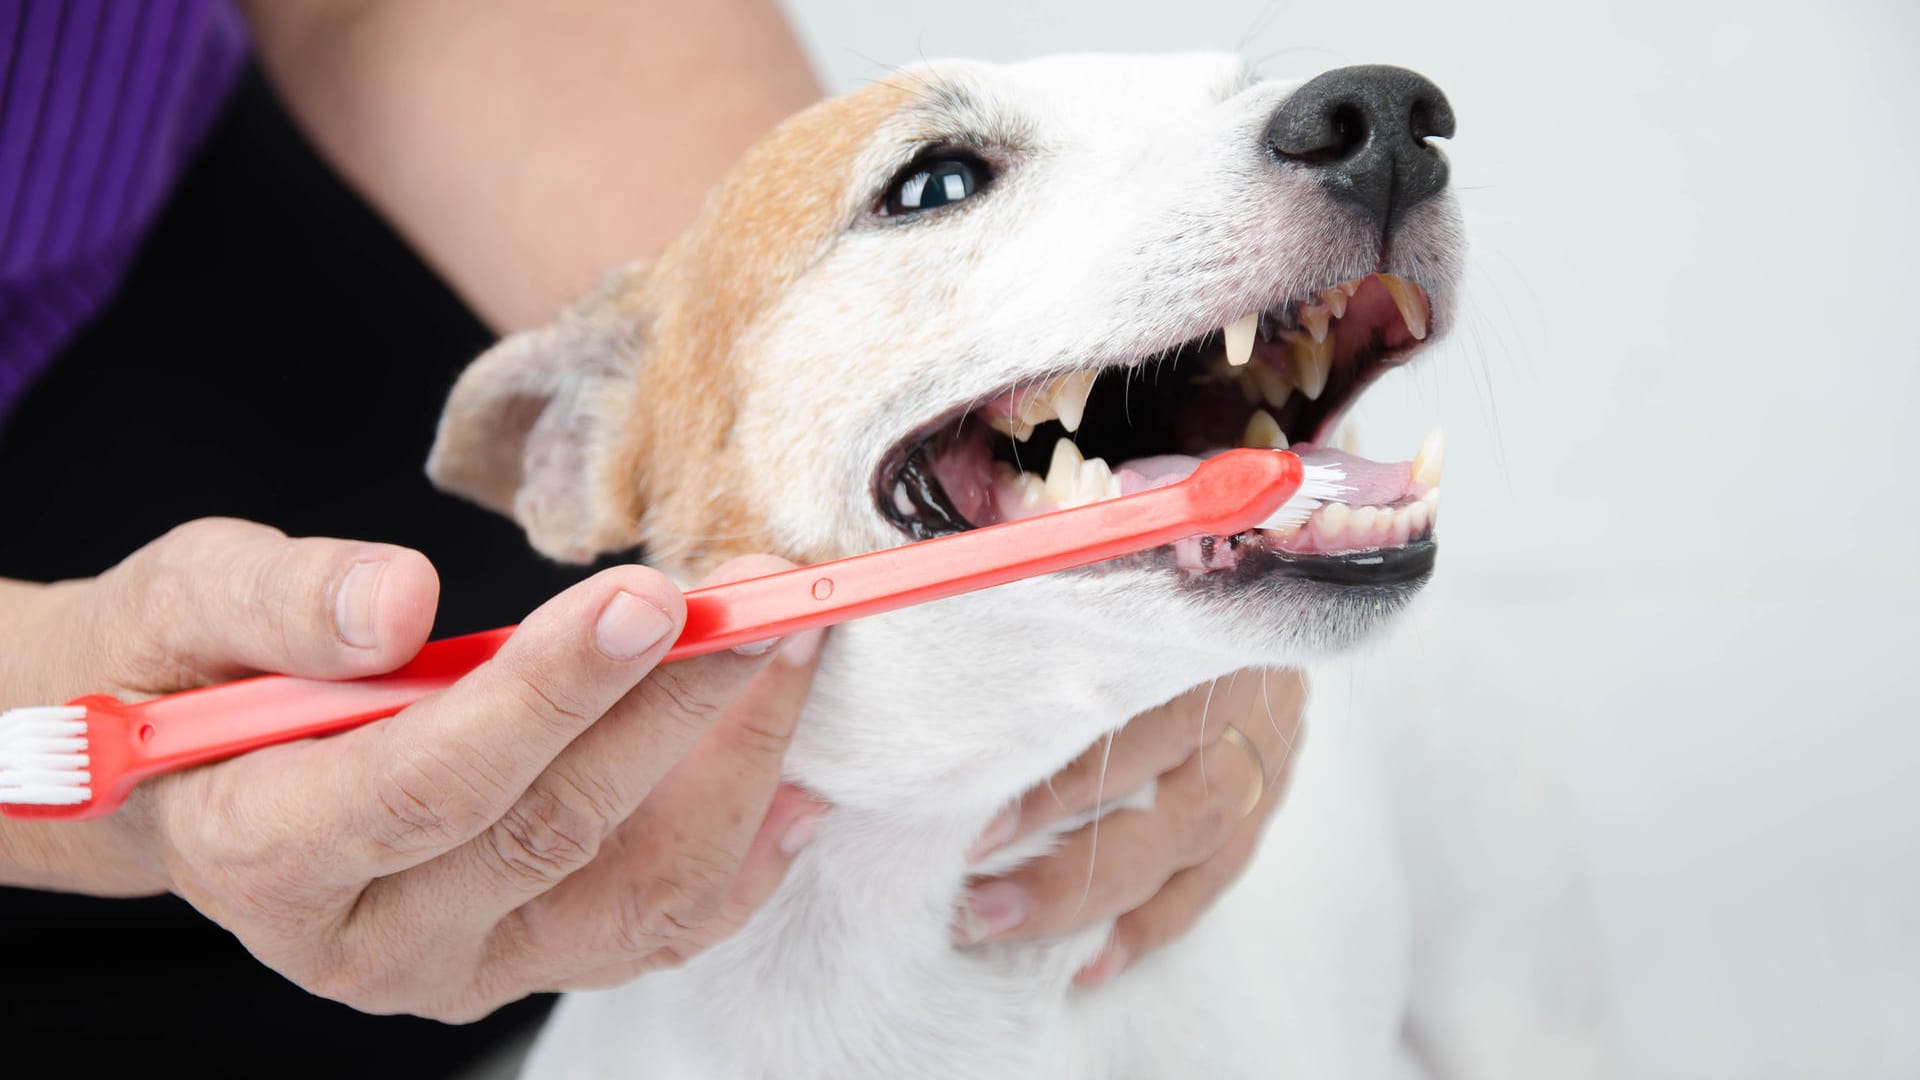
1135, 211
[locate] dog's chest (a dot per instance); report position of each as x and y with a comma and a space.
1299, 971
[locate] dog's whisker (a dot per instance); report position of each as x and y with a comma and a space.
1093, 843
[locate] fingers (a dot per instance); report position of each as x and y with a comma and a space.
1115, 864
786, 830
1264, 704
448, 768
727, 714
218, 598
1186, 896
1128, 859
1173, 910
707, 845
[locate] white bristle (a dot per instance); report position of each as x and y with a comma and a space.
43, 758
1321, 485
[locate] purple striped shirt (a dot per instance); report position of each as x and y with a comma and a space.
102, 103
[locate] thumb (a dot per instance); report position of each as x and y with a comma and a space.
217, 599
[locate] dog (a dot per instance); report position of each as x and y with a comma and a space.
965, 294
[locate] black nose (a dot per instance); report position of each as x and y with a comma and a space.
1365, 130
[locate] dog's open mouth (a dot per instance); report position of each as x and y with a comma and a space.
1281, 378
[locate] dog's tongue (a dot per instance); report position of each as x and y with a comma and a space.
1369, 483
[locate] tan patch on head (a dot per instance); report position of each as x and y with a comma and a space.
757, 233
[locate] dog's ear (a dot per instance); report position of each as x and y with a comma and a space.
530, 427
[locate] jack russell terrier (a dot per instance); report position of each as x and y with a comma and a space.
962, 295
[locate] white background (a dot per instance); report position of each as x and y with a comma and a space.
1680, 526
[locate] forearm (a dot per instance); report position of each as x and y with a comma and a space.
523, 148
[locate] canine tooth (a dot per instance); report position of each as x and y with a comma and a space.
1271, 386
1312, 360
1263, 431
1313, 318
1070, 398
1063, 474
1432, 456
1411, 302
1336, 301
1239, 338
1350, 287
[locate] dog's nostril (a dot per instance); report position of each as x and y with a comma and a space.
1365, 129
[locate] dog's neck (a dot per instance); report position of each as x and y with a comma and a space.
948, 711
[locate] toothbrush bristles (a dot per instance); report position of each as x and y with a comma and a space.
1321, 485
43, 756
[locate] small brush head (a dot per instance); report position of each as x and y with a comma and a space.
1320, 484
43, 756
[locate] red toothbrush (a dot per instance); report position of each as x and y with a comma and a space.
82, 759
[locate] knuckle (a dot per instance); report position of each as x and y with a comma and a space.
546, 835
677, 907
760, 736
681, 703
1214, 822
558, 709
423, 805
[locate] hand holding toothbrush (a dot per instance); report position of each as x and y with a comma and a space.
441, 862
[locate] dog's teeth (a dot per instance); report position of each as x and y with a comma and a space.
1336, 301
1414, 518
1428, 462
1350, 287
1399, 526
901, 501
1007, 425
1245, 378
1360, 523
1312, 360
1263, 431
1032, 489
1271, 386
1097, 482
1069, 393
1411, 302
1330, 521
1063, 473
1239, 338
1314, 319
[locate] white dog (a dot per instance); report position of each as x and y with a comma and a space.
966, 294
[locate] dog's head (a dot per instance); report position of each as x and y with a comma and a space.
971, 292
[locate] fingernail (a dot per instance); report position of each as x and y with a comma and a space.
994, 908
354, 615
1111, 961
756, 648
801, 648
998, 831
629, 626
800, 833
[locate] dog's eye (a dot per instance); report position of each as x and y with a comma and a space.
933, 183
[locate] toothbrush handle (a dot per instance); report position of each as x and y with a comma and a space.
1227, 494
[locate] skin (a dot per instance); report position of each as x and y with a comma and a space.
567, 816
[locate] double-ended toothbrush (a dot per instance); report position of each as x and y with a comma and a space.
82, 759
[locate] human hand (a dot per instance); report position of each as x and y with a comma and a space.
565, 816
1158, 869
